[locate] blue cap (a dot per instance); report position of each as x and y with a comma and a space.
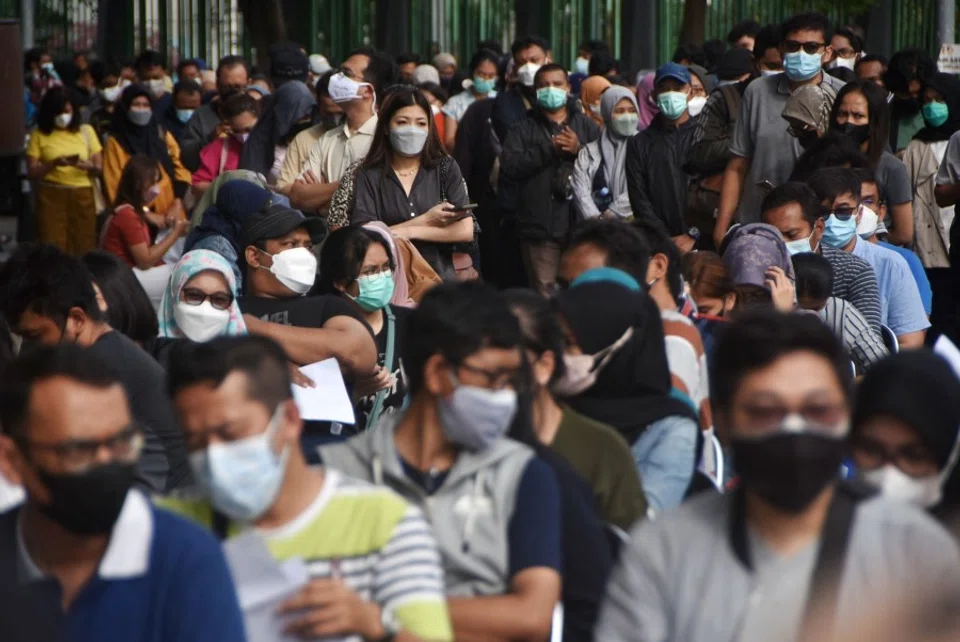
607, 275
672, 70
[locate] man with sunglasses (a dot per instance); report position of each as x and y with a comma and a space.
493, 505
901, 308
762, 149
87, 557
48, 298
792, 553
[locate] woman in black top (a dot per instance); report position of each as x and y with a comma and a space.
356, 264
410, 183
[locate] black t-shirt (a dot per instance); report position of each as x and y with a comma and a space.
301, 311
163, 464
393, 402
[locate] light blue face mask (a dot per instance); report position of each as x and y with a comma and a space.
837, 233
242, 478
801, 66
184, 115
474, 418
672, 104
376, 290
582, 66
551, 98
483, 85
799, 246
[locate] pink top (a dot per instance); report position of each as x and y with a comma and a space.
222, 155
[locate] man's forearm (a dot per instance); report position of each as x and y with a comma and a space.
502, 617
357, 355
730, 192
311, 197
947, 195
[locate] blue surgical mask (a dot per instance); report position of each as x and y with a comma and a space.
837, 233
551, 98
801, 66
376, 291
242, 478
474, 418
582, 66
672, 104
484, 85
184, 115
799, 246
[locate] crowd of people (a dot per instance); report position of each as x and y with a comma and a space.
630, 358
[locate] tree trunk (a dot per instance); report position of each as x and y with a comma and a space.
265, 23
694, 29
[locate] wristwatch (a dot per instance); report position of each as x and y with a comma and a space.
391, 628
694, 233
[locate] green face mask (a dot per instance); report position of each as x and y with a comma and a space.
375, 291
483, 85
935, 113
672, 104
551, 98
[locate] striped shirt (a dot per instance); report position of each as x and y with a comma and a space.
372, 539
855, 282
846, 322
688, 363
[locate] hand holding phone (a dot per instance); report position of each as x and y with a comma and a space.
459, 212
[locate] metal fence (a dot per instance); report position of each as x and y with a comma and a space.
182, 29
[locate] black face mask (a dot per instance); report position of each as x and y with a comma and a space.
88, 503
788, 470
808, 138
856, 133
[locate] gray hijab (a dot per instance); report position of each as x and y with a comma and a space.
613, 147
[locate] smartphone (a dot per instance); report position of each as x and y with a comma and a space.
469, 207
461, 212
766, 185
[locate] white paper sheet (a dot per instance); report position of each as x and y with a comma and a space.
329, 400
263, 584
946, 349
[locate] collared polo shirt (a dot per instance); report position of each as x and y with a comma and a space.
338, 149
761, 136
161, 578
901, 308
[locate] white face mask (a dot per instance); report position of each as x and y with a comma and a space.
155, 87
63, 120
345, 90
847, 63
769, 72
202, 322
296, 269
526, 73
695, 105
896, 484
868, 222
112, 94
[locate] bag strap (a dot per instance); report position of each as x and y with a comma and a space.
442, 177
220, 525
388, 364
729, 93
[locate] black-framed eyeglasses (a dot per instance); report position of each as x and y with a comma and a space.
76, 455
842, 213
810, 46
912, 459
195, 296
498, 379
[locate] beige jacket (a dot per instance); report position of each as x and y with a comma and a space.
931, 238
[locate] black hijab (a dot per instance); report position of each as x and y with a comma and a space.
292, 103
135, 139
948, 86
634, 388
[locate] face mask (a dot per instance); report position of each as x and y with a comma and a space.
935, 113
483, 85
769, 72
868, 222
184, 115
695, 105
296, 269
846, 63
595, 109
140, 117
581, 66
474, 418
112, 94
799, 246
788, 469
857, 133
62, 121
376, 291
408, 140
526, 73
242, 138
88, 503
896, 484
200, 323
808, 138
581, 370
242, 478
47, 66
155, 87
838, 233
625, 124
344, 90
801, 66
551, 98
672, 104
152, 193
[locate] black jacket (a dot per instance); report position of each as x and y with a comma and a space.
656, 180
531, 161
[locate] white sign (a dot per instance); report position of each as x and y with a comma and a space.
949, 60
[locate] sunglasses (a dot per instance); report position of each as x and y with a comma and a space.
219, 300
842, 213
810, 47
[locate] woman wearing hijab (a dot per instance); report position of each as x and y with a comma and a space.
222, 224
903, 440
200, 302
648, 108
290, 113
599, 175
807, 113
590, 91
616, 373
941, 115
135, 131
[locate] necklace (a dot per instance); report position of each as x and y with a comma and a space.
406, 173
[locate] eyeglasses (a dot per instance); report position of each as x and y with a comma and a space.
842, 213
824, 417
913, 459
810, 47
499, 379
78, 455
194, 296
800, 132
846, 52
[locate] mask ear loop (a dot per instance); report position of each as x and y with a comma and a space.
951, 460
608, 353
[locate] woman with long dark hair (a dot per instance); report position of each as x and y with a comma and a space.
862, 113
290, 113
63, 158
121, 296
410, 183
